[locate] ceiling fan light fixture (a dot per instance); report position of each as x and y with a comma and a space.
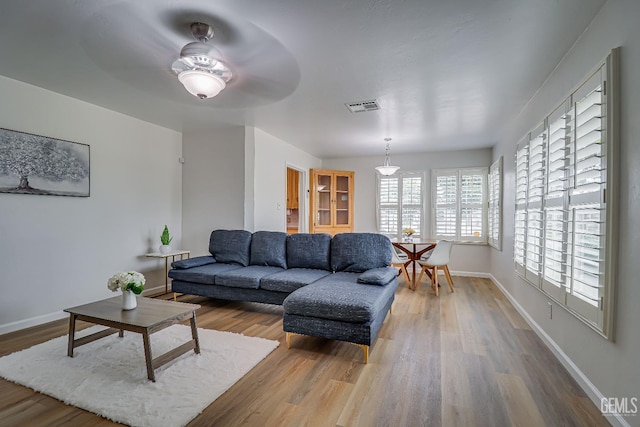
199, 68
202, 84
386, 169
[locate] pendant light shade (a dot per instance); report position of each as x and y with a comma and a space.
386, 169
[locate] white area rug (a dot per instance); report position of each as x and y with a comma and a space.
108, 376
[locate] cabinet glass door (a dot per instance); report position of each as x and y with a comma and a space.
342, 200
323, 197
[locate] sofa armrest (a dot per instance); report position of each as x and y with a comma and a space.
193, 262
378, 276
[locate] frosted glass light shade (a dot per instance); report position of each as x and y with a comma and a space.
387, 170
201, 83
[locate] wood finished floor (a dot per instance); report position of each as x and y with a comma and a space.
462, 359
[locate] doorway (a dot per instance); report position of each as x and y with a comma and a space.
295, 202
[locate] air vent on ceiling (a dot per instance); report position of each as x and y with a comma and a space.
362, 106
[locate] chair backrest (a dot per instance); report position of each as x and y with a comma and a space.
395, 258
441, 253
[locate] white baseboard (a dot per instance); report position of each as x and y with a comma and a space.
469, 274
589, 388
45, 318
32, 321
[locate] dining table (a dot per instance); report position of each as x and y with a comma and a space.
414, 250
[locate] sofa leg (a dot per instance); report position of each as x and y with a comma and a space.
288, 339
365, 350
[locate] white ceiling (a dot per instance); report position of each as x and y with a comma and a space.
447, 74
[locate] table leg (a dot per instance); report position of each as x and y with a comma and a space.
194, 333
166, 274
147, 356
72, 334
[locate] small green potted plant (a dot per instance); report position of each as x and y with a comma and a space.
165, 239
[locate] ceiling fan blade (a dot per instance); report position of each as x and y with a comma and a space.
144, 51
264, 71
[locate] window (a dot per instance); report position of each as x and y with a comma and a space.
400, 203
565, 196
459, 198
494, 214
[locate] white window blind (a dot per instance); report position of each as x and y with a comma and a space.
494, 213
564, 201
459, 204
400, 203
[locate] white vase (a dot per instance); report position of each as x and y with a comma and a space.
129, 301
165, 249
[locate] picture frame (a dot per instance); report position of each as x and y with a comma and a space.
41, 165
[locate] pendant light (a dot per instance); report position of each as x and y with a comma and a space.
386, 169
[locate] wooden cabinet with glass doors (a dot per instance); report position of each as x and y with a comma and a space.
331, 201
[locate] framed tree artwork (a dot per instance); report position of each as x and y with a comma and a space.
34, 164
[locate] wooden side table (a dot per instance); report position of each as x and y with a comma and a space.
172, 255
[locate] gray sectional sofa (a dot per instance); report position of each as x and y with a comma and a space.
338, 288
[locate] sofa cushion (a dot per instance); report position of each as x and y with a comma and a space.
309, 251
359, 252
339, 297
269, 248
247, 277
378, 276
204, 274
193, 262
230, 246
291, 279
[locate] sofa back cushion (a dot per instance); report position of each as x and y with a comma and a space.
309, 251
269, 248
358, 252
230, 246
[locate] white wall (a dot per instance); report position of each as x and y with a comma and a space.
464, 258
213, 185
58, 252
271, 158
611, 367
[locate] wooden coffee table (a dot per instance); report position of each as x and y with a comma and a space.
151, 315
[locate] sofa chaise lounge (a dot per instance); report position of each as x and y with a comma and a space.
337, 288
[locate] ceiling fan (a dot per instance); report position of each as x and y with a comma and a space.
200, 68
246, 65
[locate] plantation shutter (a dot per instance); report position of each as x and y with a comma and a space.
556, 215
565, 201
520, 220
388, 205
494, 213
445, 204
587, 214
459, 204
400, 203
412, 206
535, 191
472, 205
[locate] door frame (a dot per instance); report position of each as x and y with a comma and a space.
303, 197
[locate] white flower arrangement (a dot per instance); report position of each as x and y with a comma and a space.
130, 281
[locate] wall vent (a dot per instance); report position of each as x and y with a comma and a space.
362, 106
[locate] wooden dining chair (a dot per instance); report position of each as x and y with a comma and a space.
398, 262
439, 258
